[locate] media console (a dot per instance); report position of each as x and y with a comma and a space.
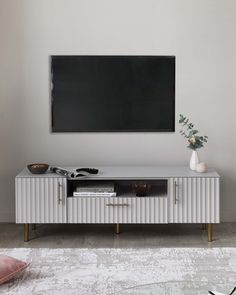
176, 195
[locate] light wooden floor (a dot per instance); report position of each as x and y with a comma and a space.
131, 236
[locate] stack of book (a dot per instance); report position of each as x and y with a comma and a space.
98, 190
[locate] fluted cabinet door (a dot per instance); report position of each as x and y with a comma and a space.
194, 200
40, 200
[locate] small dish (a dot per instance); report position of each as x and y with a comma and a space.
38, 168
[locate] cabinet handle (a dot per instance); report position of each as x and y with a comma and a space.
116, 205
59, 187
175, 192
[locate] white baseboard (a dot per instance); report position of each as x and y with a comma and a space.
7, 216
225, 216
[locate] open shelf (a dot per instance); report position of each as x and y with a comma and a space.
124, 188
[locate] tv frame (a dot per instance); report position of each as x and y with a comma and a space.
117, 130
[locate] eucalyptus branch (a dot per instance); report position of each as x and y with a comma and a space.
195, 141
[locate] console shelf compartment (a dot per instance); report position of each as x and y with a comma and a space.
123, 188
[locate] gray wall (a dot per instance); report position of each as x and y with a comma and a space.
201, 33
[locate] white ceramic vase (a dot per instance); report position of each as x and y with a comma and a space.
194, 160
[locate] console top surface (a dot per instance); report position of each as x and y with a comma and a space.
131, 172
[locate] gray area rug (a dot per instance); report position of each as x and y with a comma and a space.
105, 271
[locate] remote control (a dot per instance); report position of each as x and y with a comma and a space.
88, 170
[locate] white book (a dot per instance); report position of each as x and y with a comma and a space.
94, 194
99, 187
95, 189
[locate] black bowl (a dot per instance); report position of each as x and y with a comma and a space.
38, 168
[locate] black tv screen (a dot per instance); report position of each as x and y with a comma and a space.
113, 93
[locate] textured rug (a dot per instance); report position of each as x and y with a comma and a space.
105, 271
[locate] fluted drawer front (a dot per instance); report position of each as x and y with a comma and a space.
194, 200
117, 210
40, 200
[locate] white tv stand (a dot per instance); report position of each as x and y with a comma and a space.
178, 195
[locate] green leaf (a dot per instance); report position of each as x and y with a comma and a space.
181, 118
186, 122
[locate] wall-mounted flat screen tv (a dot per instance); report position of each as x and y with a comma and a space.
113, 93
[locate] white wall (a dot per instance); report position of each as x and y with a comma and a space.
201, 33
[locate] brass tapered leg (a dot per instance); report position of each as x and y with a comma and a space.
209, 232
204, 227
117, 228
26, 232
